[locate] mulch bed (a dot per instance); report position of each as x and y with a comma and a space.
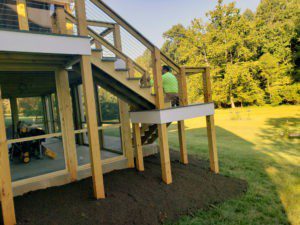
132, 197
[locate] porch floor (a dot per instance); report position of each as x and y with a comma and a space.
46, 165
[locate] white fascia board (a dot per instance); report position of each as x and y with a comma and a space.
172, 114
28, 42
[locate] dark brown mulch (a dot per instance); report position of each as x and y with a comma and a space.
132, 197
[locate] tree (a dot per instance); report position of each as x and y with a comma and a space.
254, 56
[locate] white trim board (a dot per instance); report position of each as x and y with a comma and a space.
172, 114
27, 42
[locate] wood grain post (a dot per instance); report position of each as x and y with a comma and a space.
124, 109
210, 123
130, 68
61, 22
138, 147
162, 128
66, 119
6, 194
22, 15
181, 127
90, 105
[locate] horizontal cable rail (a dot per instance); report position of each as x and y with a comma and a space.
107, 44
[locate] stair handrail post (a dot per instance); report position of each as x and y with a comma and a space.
210, 122
183, 101
91, 113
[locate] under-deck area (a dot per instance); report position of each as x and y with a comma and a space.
45, 165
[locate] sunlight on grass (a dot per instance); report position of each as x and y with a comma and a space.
253, 144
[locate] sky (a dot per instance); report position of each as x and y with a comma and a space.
153, 17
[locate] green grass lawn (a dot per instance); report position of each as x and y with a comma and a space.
253, 145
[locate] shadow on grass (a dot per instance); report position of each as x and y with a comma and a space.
238, 158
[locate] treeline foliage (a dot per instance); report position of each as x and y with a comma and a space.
254, 56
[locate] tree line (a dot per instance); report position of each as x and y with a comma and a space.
254, 56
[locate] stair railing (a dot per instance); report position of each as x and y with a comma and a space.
158, 58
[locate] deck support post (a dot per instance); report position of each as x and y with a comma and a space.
210, 123
6, 194
162, 128
124, 109
22, 15
138, 147
181, 127
66, 118
90, 105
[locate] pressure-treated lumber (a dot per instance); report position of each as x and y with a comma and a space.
94, 142
95, 23
90, 105
210, 123
66, 118
124, 110
138, 147
181, 127
6, 195
126, 132
162, 128
61, 22
22, 15
164, 153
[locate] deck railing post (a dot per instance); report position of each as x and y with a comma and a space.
210, 123
162, 128
124, 110
183, 101
6, 193
91, 113
22, 15
61, 22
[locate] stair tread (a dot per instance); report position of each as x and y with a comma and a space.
146, 86
97, 49
124, 69
109, 59
133, 78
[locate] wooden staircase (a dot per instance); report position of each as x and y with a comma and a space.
129, 89
122, 81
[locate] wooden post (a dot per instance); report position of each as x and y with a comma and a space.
181, 127
90, 104
130, 68
6, 194
66, 118
22, 15
138, 147
210, 123
45, 114
162, 128
69, 25
124, 110
14, 115
61, 22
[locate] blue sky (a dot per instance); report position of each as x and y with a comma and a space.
153, 17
